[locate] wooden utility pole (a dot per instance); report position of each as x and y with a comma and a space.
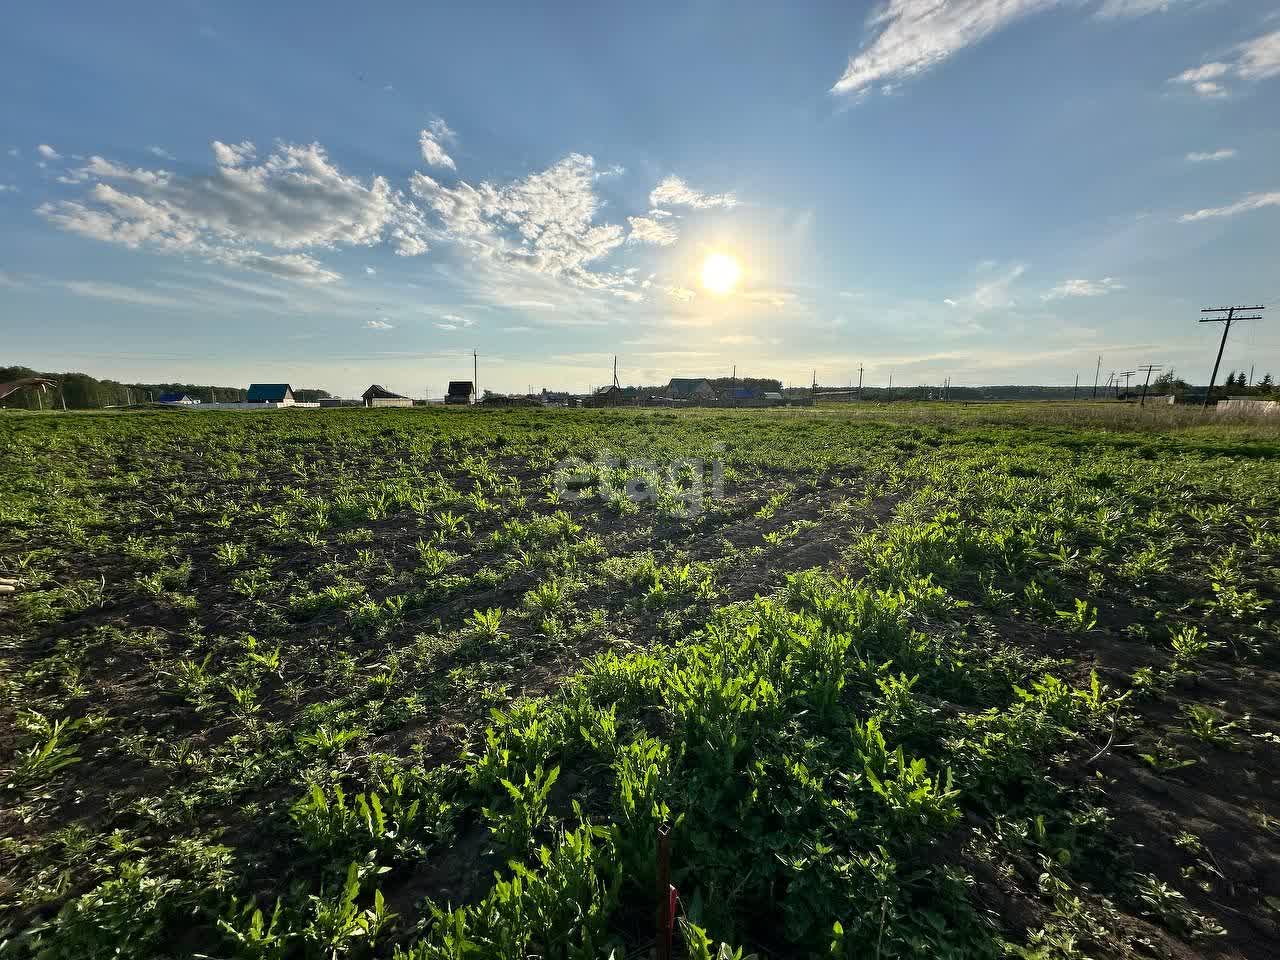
475, 377
1096, 370
615, 371
1147, 368
859, 381
1076, 389
1226, 328
1126, 374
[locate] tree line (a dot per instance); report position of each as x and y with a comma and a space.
79, 391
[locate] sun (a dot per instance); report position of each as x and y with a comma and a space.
720, 273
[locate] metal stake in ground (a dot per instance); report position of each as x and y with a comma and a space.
662, 948
1147, 368
1226, 328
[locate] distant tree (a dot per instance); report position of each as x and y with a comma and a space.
1266, 384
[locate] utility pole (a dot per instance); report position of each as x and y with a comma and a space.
475, 377
814, 391
615, 371
1147, 368
1126, 374
859, 381
1076, 389
1226, 328
1096, 370
890, 386
1251, 374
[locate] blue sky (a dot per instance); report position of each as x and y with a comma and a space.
991, 190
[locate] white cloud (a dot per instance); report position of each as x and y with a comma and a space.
8, 188
233, 154
1260, 57
517, 329
369, 271
446, 326
161, 152
1224, 154
456, 321
1256, 59
1082, 288
543, 222
914, 35
648, 230
382, 324
679, 294
243, 212
995, 294
432, 140
106, 170
674, 192
121, 294
948, 301
48, 152
1254, 201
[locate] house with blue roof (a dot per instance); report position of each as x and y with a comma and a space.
278, 393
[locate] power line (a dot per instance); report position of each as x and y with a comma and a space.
1226, 328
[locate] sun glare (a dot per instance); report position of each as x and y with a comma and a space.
720, 273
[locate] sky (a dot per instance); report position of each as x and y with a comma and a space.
994, 191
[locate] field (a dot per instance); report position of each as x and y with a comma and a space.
905, 681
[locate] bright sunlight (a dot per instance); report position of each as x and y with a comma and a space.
720, 273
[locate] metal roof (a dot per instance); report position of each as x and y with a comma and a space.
379, 392
268, 392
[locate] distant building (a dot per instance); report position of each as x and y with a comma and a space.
556, 397
610, 396
460, 391
379, 396
695, 388
775, 398
280, 393
183, 398
338, 402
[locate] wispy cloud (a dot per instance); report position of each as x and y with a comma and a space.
1254, 201
1082, 288
382, 324
48, 152
244, 212
913, 36
121, 293
1256, 59
650, 230
996, 293
1224, 154
162, 153
674, 192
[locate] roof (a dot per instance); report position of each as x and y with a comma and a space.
687, 384
379, 392
773, 396
268, 392
461, 388
174, 397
